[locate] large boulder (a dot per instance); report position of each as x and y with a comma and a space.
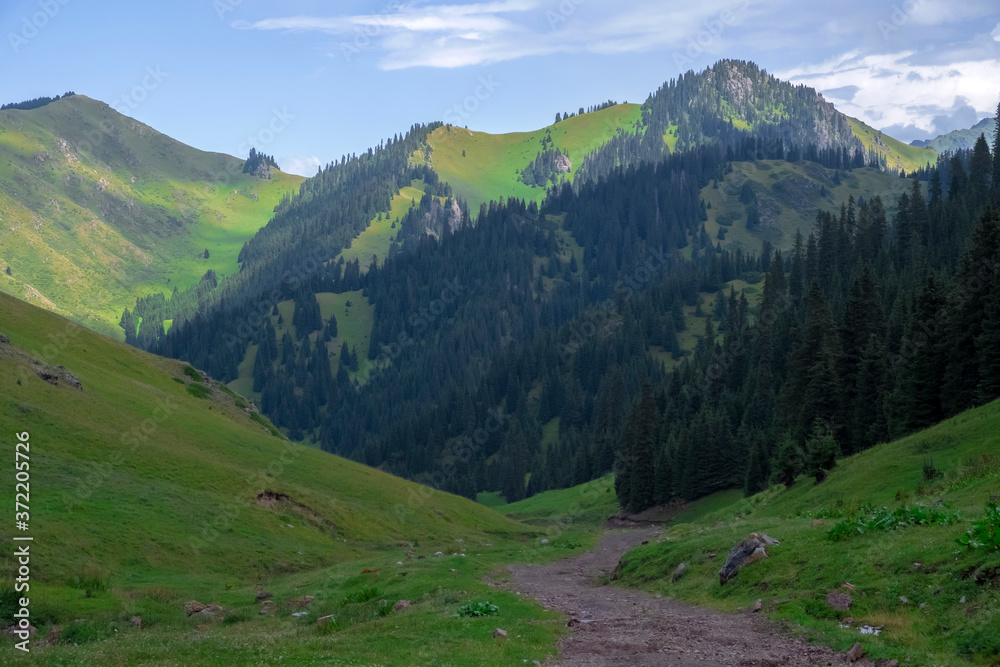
750, 550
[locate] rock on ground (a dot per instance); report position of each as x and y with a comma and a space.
752, 549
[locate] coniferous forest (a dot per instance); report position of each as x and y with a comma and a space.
512, 350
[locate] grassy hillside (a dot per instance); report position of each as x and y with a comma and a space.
587, 505
897, 154
488, 168
98, 209
146, 494
376, 239
789, 195
934, 600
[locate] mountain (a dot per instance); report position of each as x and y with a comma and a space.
152, 485
344, 301
960, 139
99, 209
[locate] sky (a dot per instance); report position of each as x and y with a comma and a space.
308, 81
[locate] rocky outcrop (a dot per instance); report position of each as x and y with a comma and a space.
839, 601
747, 552
194, 607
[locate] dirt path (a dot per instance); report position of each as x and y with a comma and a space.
625, 628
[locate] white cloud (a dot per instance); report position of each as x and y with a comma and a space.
303, 166
996, 33
451, 35
892, 92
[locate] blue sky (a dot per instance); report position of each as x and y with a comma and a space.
309, 81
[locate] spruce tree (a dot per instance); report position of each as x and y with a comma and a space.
821, 451
644, 426
980, 173
788, 462
756, 480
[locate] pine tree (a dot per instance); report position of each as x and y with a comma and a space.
756, 480
988, 345
967, 319
920, 385
788, 462
821, 451
643, 429
796, 279
980, 172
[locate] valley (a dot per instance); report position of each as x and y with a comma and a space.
485, 399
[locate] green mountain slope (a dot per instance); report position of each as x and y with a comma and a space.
789, 195
98, 209
152, 486
481, 166
935, 601
896, 154
97, 475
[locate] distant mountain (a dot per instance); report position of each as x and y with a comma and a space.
960, 139
98, 209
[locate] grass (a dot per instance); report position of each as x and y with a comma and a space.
481, 167
789, 195
934, 625
377, 238
95, 219
897, 154
584, 508
146, 497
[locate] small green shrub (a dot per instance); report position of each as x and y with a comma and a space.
364, 595
88, 583
985, 533
727, 219
178, 380
199, 390
192, 373
8, 604
819, 609
475, 609
81, 633
259, 418
867, 520
238, 616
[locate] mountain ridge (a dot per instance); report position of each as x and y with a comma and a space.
959, 139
